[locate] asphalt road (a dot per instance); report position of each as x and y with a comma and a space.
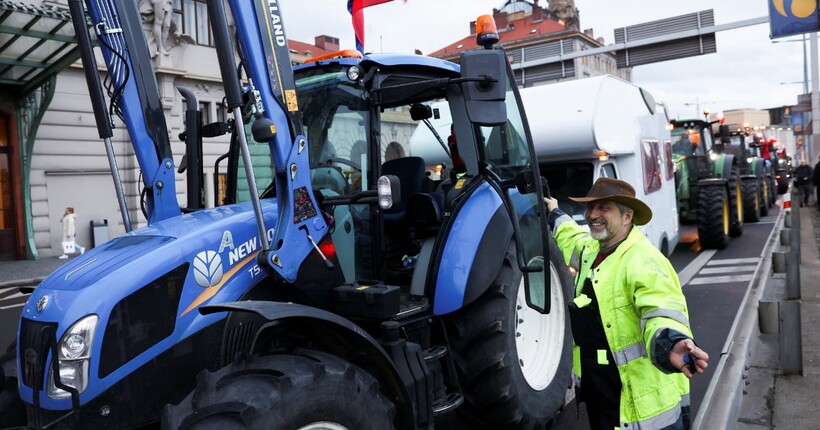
717, 283
714, 293
11, 304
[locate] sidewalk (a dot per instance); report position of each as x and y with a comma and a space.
27, 272
797, 398
771, 399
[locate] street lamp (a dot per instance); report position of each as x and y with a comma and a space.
805, 61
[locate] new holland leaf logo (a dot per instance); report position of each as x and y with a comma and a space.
207, 269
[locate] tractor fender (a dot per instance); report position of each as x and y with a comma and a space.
724, 165
329, 332
472, 252
712, 181
758, 168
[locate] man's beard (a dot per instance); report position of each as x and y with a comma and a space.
602, 235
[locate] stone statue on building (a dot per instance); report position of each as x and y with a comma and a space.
156, 17
566, 11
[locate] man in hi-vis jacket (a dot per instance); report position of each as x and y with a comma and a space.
633, 348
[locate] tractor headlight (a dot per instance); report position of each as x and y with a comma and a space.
750, 160
713, 156
354, 73
74, 356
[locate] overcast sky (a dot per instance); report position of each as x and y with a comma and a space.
746, 72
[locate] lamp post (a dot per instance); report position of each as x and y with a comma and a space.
805, 60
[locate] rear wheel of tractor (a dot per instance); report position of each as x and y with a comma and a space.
713, 217
735, 207
765, 196
772, 191
513, 362
751, 200
304, 389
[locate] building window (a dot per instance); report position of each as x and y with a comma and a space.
221, 112
191, 18
205, 112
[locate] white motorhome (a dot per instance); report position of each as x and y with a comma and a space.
603, 126
584, 129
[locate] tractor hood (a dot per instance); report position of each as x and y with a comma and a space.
156, 243
207, 253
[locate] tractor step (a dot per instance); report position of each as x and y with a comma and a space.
443, 406
435, 353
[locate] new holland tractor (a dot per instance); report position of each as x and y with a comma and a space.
709, 184
337, 286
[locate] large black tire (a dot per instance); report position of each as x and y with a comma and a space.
713, 217
765, 195
299, 390
751, 199
12, 408
514, 364
735, 206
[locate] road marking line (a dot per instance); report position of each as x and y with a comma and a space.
692, 268
14, 296
733, 261
726, 269
19, 305
721, 279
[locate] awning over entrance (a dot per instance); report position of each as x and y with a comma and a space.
36, 43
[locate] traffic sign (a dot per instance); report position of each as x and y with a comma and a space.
789, 17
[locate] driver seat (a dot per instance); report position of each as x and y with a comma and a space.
412, 175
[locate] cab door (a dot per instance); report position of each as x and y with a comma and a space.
509, 157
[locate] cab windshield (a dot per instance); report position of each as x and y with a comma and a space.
687, 141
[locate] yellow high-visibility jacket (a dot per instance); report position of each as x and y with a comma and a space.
639, 294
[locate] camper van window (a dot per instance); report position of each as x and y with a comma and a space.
670, 163
608, 171
651, 165
571, 180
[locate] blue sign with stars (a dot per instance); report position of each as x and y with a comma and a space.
788, 17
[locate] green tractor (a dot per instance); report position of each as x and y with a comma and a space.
708, 183
757, 176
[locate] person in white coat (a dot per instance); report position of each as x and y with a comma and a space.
69, 233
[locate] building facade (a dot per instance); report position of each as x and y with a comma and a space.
66, 164
530, 32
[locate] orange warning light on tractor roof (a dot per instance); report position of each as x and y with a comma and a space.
486, 33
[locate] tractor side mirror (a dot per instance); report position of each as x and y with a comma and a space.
420, 112
486, 86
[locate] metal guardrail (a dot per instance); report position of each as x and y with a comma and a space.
721, 403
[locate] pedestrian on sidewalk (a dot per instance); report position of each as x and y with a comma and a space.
816, 181
630, 324
69, 234
803, 181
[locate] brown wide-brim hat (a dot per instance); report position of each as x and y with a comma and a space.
617, 191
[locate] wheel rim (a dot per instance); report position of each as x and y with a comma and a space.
739, 201
539, 339
725, 217
323, 425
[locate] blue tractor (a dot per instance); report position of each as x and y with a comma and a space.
338, 284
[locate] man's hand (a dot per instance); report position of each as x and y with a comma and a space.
551, 203
697, 355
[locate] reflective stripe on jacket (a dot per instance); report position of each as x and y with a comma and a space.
639, 294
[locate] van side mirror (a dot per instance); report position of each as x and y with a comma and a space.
486, 87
